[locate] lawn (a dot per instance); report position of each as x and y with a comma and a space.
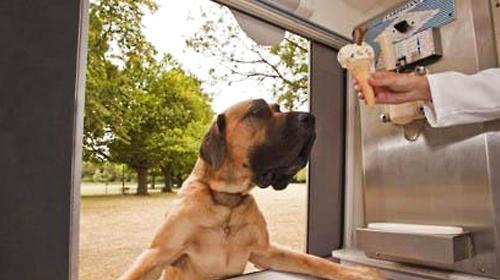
114, 229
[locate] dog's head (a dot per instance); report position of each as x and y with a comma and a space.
256, 143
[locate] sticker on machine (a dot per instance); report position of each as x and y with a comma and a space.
410, 18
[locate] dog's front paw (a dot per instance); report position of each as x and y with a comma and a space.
362, 273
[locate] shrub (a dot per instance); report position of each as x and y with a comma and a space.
301, 176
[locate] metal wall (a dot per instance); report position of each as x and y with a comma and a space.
443, 178
496, 19
326, 168
40, 133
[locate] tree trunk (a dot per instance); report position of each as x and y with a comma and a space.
123, 179
167, 179
153, 177
142, 181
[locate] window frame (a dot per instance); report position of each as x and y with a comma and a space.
61, 193
42, 73
325, 201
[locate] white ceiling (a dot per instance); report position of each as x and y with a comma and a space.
369, 5
343, 15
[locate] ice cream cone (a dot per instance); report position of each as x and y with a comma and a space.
361, 71
358, 59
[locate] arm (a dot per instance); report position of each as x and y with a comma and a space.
450, 98
274, 257
149, 265
267, 256
166, 248
461, 99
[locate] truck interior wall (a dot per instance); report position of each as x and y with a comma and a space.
496, 18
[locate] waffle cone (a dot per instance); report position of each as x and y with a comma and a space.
361, 71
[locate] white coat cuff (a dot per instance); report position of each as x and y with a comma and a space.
430, 108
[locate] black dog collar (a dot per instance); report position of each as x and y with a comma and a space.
230, 200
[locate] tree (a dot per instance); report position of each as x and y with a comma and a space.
115, 39
102, 176
162, 121
190, 115
182, 155
119, 65
140, 119
284, 66
139, 112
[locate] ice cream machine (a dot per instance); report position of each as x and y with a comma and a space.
428, 199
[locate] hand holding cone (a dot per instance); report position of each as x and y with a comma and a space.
358, 60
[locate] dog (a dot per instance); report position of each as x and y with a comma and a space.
215, 226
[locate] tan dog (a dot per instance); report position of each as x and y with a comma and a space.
215, 228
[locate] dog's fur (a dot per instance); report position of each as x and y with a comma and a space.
215, 228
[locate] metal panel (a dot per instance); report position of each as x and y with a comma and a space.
281, 18
399, 271
40, 133
495, 4
78, 113
442, 178
327, 102
493, 154
431, 249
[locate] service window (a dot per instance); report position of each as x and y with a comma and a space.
157, 74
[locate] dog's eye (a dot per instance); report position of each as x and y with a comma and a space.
259, 112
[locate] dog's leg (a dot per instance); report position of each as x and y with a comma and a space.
166, 248
148, 266
282, 259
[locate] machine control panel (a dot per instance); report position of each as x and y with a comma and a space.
420, 49
413, 31
404, 39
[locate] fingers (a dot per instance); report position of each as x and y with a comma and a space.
388, 97
396, 82
384, 79
360, 94
357, 89
389, 88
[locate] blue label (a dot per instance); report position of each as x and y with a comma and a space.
419, 14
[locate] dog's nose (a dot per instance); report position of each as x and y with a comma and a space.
306, 118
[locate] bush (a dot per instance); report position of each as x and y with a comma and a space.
301, 176
102, 176
105, 172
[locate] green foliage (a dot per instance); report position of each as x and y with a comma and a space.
115, 41
102, 176
301, 176
164, 122
93, 172
189, 116
141, 112
285, 66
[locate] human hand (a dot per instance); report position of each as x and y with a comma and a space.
396, 88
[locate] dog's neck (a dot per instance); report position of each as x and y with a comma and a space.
230, 200
217, 185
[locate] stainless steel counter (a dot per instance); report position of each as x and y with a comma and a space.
399, 271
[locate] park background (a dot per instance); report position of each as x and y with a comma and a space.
158, 72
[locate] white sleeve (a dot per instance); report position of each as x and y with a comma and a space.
461, 99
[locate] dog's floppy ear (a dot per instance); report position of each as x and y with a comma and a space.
213, 148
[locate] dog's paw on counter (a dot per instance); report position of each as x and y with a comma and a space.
362, 273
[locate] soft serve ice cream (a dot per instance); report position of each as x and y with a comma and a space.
359, 59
